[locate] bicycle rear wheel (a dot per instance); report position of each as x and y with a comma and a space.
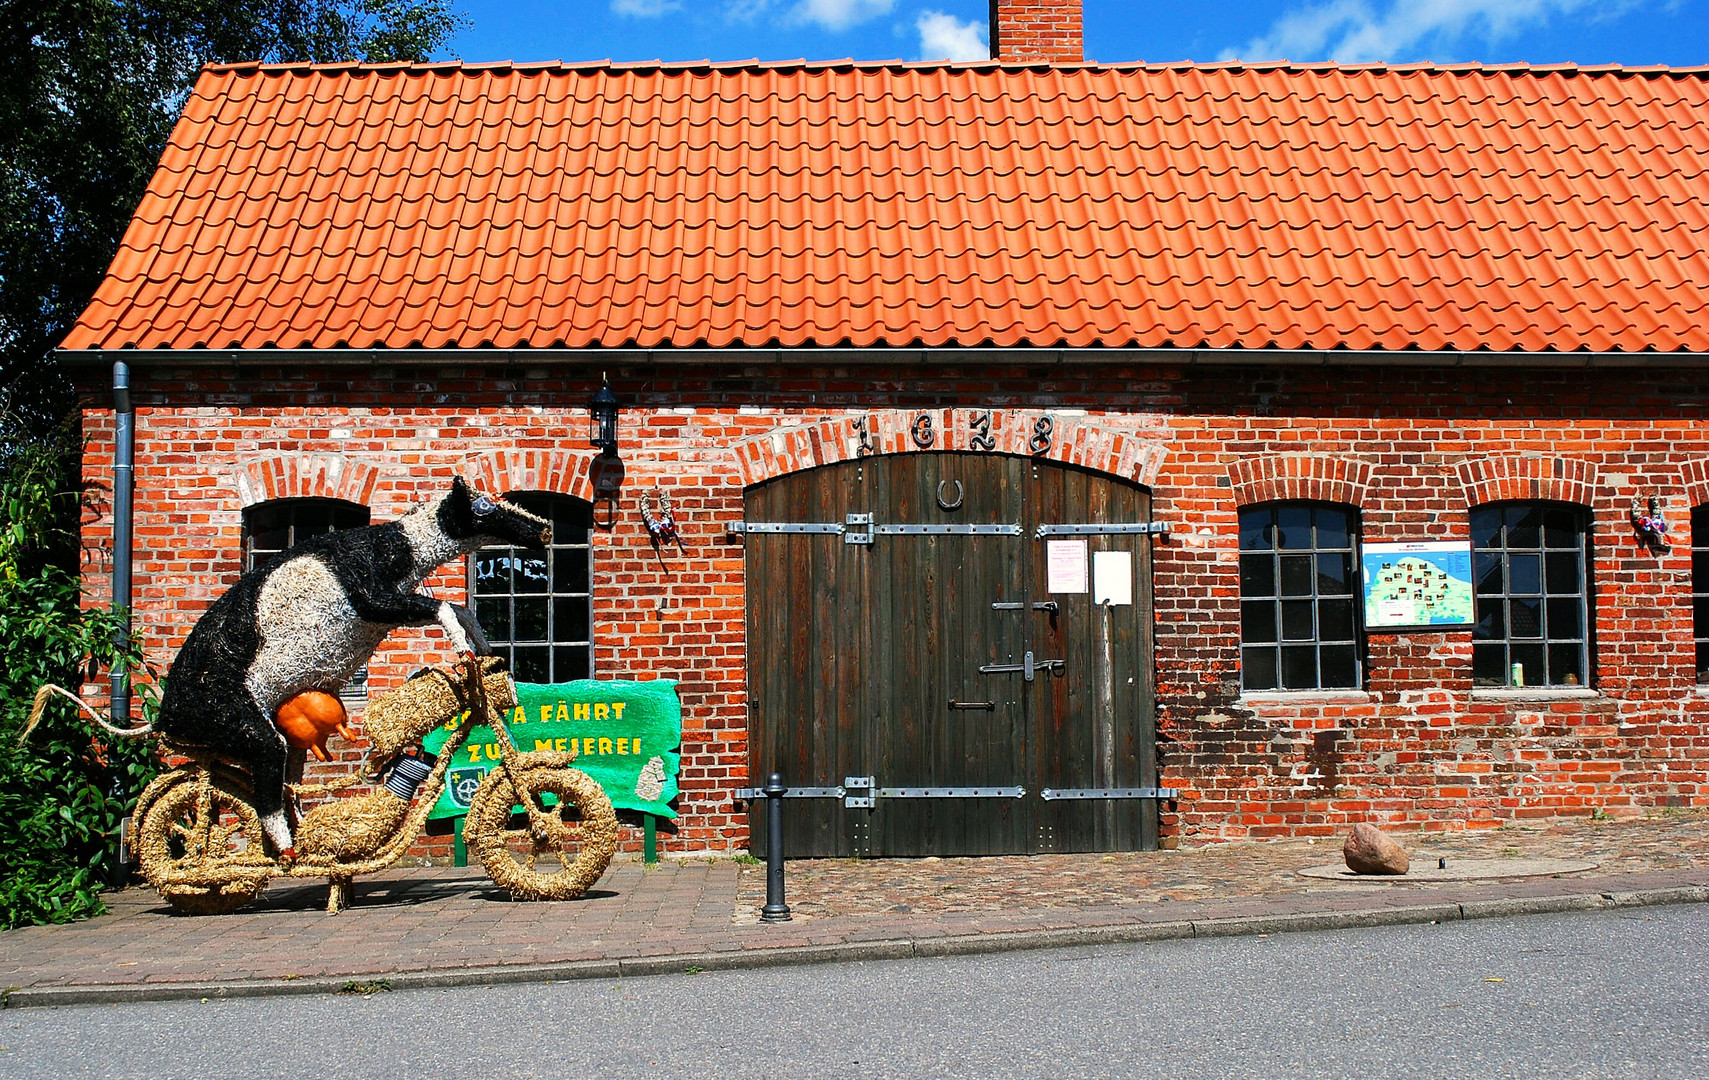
578, 840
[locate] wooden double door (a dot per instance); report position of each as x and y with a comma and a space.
917, 640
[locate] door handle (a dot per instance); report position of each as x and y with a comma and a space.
982, 706
1027, 667
1047, 605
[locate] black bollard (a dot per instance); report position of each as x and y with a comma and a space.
775, 909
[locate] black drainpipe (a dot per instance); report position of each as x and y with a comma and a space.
124, 485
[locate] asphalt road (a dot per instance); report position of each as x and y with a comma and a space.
1609, 994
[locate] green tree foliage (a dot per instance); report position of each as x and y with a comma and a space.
89, 91
63, 791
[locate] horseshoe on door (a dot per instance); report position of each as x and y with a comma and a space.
953, 503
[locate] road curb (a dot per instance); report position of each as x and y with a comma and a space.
877, 950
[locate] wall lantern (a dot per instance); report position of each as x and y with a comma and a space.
602, 420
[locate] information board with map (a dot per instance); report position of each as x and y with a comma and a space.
1425, 584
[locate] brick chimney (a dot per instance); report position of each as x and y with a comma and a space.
1030, 31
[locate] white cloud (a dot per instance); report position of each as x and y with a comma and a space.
945, 37
644, 9
1351, 31
841, 14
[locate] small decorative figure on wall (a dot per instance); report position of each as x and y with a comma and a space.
1651, 527
661, 527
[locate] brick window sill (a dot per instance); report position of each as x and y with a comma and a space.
1532, 693
1295, 697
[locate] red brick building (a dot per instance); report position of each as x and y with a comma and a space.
1030, 427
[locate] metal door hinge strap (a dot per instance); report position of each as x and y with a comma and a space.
1121, 528
1052, 794
860, 529
1028, 667
740, 527
952, 792
744, 794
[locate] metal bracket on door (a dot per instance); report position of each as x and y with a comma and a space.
745, 794
1114, 528
1015, 792
1028, 667
1053, 794
861, 529
861, 792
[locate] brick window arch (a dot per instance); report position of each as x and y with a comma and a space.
1299, 626
536, 608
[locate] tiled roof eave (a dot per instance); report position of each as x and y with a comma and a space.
1482, 358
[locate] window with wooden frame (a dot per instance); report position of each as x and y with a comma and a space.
1531, 566
1700, 589
535, 607
1298, 597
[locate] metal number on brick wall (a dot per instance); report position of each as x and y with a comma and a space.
1040, 442
981, 425
863, 437
922, 431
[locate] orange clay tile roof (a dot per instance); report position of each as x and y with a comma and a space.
843, 204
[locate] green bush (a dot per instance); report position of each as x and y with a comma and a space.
64, 790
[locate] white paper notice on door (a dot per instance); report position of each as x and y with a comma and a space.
1112, 578
1065, 566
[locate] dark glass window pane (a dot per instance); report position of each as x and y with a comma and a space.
1296, 620
1564, 622
569, 619
1340, 666
1335, 574
1489, 665
1332, 529
1560, 528
1296, 575
530, 572
494, 617
1258, 621
1525, 574
1565, 666
1524, 527
1486, 527
1486, 571
532, 664
1701, 604
530, 613
1491, 618
1299, 667
1293, 527
1562, 570
1703, 661
569, 569
1258, 669
569, 663
276, 538
492, 571
1255, 530
1257, 575
1335, 620
1525, 618
1529, 657
1700, 571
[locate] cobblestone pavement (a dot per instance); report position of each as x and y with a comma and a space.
820, 888
445, 926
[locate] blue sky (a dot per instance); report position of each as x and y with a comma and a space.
1631, 32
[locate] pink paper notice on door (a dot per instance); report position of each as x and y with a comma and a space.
1065, 566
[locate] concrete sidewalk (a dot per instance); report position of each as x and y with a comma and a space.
436, 926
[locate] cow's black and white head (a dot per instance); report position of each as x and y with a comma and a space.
486, 521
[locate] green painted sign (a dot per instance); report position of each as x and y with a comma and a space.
626, 735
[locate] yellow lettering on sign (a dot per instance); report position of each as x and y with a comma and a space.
588, 746
605, 746
617, 708
563, 712
558, 744
635, 746
521, 716
542, 744
622, 746
582, 710
545, 713
602, 711
494, 753
474, 754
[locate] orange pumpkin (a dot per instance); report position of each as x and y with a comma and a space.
307, 719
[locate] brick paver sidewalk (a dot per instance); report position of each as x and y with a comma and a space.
430, 925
